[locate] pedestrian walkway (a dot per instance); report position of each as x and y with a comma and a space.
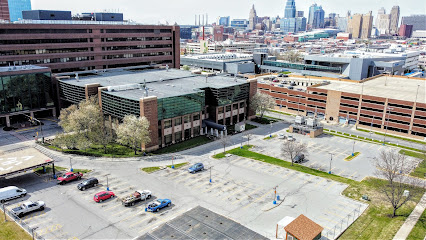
409, 223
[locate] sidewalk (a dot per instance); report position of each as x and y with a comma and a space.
409, 223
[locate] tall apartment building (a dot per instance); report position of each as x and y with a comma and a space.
360, 25
383, 23
252, 18
367, 25
4, 10
16, 7
394, 20
418, 21
67, 46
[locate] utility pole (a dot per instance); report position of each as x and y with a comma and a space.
353, 149
384, 138
331, 159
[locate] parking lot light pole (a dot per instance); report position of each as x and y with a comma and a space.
211, 174
331, 159
353, 149
107, 184
275, 196
270, 131
71, 169
173, 166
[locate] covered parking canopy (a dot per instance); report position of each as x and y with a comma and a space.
22, 161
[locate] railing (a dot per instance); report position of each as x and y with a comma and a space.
21, 223
302, 66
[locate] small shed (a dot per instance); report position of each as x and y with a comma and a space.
280, 233
303, 228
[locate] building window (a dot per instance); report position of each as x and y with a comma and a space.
178, 121
168, 139
167, 124
235, 106
228, 108
196, 117
196, 131
186, 119
242, 104
220, 110
178, 136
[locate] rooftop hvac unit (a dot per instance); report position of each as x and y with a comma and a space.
311, 122
300, 120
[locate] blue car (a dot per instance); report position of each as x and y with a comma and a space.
159, 204
196, 167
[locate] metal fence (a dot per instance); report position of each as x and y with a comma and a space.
343, 224
30, 230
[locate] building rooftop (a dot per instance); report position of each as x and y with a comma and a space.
21, 68
303, 228
222, 57
400, 88
160, 83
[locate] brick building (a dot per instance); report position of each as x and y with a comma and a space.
392, 104
178, 104
4, 10
68, 46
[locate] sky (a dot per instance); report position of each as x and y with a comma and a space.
184, 11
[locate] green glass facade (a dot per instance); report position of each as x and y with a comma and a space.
302, 66
119, 107
180, 105
225, 96
25, 92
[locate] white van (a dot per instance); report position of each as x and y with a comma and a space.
11, 192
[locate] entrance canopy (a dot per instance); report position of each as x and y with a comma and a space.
22, 161
211, 124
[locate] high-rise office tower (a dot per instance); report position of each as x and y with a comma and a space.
355, 25
299, 13
252, 18
4, 10
367, 25
394, 20
16, 7
318, 20
290, 9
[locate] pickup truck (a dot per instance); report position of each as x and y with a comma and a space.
136, 197
69, 176
28, 207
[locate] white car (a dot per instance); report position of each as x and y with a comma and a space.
290, 138
28, 207
281, 136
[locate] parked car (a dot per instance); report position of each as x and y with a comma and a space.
290, 138
136, 197
299, 158
91, 182
275, 80
281, 136
159, 204
284, 82
69, 176
280, 85
293, 84
196, 167
290, 87
284, 75
28, 207
11, 192
102, 196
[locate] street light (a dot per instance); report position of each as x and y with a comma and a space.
107, 183
353, 149
331, 159
211, 174
275, 197
173, 166
71, 169
384, 138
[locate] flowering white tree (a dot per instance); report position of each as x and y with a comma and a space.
134, 131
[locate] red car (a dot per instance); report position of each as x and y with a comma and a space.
70, 176
102, 196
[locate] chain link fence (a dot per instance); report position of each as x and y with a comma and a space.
21, 223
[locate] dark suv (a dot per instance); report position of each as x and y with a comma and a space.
299, 158
91, 182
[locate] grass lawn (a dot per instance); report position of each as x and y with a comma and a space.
191, 143
113, 150
59, 169
279, 112
419, 230
420, 170
153, 169
350, 157
270, 137
249, 126
264, 120
219, 155
11, 230
392, 136
375, 222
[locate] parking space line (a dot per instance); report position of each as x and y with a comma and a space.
246, 196
178, 175
337, 215
237, 191
253, 163
201, 185
342, 209
132, 216
259, 198
33, 216
125, 210
330, 186
321, 166
213, 186
341, 172
311, 164
41, 222
196, 180
138, 222
227, 188
106, 209
161, 219
320, 182
279, 171
309, 179
183, 179
329, 220
353, 174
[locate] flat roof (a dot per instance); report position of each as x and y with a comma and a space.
160, 82
21, 161
201, 223
399, 88
21, 68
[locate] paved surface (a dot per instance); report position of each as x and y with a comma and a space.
409, 223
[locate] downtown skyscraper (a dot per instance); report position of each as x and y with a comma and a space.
290, 9
290, 23
394, 19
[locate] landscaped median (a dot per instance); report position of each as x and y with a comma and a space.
352, 156
157, 168
270, 137
374, 223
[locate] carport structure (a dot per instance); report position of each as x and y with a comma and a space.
201, 223
22, 161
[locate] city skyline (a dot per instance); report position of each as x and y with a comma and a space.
183, 15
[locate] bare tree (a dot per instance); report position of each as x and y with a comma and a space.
292, 149
290, 56
134, 131
262, 102
225, 140
249, 136
394, 167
